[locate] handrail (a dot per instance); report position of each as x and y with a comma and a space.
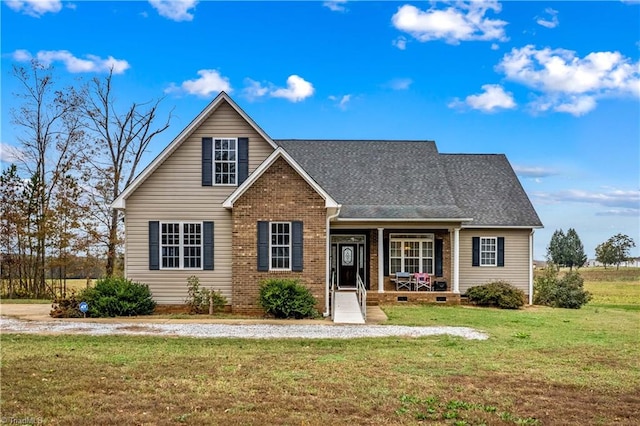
361, 294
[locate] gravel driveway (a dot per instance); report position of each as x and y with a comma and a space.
245, 331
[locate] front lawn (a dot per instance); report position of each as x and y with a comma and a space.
540, 366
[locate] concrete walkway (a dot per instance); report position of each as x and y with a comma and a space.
347, 309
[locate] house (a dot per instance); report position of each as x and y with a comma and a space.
225, 202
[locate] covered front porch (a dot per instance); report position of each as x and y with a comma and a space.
374, 254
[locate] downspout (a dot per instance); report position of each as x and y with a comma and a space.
531, 267
327, 312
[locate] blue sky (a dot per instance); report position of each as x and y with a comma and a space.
553, 85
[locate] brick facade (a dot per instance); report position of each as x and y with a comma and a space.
280, 194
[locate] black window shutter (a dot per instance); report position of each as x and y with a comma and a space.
207, 251
296, 246
207, 161
243, 159
385, 256
438, 259
154, 245
263, 246
475, 258
500, 251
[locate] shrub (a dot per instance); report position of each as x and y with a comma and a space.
287, 298
498, 293
198, 298
567, 292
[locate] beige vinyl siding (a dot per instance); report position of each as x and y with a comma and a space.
516, 259
174, 192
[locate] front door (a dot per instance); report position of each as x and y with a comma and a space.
347, 265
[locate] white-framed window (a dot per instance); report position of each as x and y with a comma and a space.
181, 245
225, 161
280, 246
488, 251
411, 253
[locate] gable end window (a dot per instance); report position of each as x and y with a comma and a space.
488, 251
225, 161
181, 245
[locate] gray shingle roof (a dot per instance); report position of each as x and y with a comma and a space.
411, 180
487, 188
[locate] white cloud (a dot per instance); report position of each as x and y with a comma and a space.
209, 83
297, 89
608, 197
493, 98
176, 10
35, 8
577, 105
400, 83
400, 43
456, 23
341, 101
549, 21
22, 55
620, 212
533, 171
73, 64
567, 82
9, 153
253, 89
336, 5
495, 46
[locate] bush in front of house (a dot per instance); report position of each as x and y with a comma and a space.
500, 294
199, 298
287, 298
566, 292
110, 297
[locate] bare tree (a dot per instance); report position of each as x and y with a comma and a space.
121, 139
51, 136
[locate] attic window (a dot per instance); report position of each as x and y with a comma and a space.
225, 161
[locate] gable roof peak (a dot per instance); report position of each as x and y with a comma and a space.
120, 202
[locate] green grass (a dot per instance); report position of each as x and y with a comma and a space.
545, 365
539, 366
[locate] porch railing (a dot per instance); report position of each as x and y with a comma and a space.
361, 294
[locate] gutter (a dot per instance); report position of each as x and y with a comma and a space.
531, 267
327, 311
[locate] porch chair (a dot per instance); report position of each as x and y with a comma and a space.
403, 281
423, 280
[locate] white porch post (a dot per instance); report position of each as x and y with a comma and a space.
456, 260
380, 261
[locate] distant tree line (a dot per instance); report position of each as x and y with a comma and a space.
76, 150
567, 250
